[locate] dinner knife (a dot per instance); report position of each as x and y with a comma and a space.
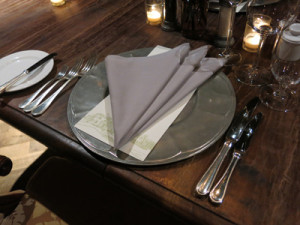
233, 134
11, 82
218, 192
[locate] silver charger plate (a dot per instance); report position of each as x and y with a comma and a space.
201, 123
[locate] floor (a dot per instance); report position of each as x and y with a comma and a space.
21, 149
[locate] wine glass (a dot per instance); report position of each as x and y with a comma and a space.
273, 16
232, 56
285, 66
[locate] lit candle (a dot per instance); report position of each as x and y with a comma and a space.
154, 16
251, 37
57, 2
251, 41
154, 13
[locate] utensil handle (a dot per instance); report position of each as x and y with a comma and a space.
30, 99
41, 62
45, 105
37, 101
11, 82
204, 185
218, 192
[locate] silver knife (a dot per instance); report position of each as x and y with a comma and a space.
232, 136
218, 192
11, 82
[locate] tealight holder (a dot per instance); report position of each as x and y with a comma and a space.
58, 2
251, 37
153, 11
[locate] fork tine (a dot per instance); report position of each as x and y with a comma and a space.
64, 70
86, 65
76, 68
90, 63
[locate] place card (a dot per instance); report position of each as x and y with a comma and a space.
99, 124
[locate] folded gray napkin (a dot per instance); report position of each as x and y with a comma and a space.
142, 89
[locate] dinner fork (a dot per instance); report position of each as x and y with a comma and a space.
45, 105
36, 102
30, 103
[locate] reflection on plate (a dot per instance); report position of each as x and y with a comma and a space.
14, 64
202, 122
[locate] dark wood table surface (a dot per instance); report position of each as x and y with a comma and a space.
264, 189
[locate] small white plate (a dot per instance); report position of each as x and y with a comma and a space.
14, 64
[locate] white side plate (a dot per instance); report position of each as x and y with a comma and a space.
14, 64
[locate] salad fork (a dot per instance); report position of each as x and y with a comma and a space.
36, 102
45, 105
30, 103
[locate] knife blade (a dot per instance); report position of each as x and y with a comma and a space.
11, 82
218, 192
233, 134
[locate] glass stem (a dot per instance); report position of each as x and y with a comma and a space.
260, 45
230, 30
278, 36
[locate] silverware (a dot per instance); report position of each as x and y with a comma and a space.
218, 192
45, 105
39, 109
232, 136
30, 103
25, 72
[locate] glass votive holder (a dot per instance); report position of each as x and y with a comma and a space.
251, 37
153, 11
57, 2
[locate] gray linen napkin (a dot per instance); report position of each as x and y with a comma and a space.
153, 85
135, 82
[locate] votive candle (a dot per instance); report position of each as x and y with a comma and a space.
154, 12
58, 2
251, 37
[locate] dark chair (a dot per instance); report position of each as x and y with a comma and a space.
17, 207
79, 195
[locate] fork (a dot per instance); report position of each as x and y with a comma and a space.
30, 103
45, 105
36, 102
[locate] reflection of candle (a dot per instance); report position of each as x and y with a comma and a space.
154, 15
251, 37
57, 2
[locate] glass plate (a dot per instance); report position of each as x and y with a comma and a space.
201, 123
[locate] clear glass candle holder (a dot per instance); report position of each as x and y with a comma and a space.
58, 2
251, 37
153, 11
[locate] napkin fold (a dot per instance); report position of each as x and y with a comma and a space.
142, 89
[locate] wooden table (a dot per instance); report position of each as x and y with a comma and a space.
265, 186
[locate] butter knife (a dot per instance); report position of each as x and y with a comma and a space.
11, 82
233, 134
218, 192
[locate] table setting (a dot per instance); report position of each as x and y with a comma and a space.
220, 108
162, 104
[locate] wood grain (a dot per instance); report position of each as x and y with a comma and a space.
265, 186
